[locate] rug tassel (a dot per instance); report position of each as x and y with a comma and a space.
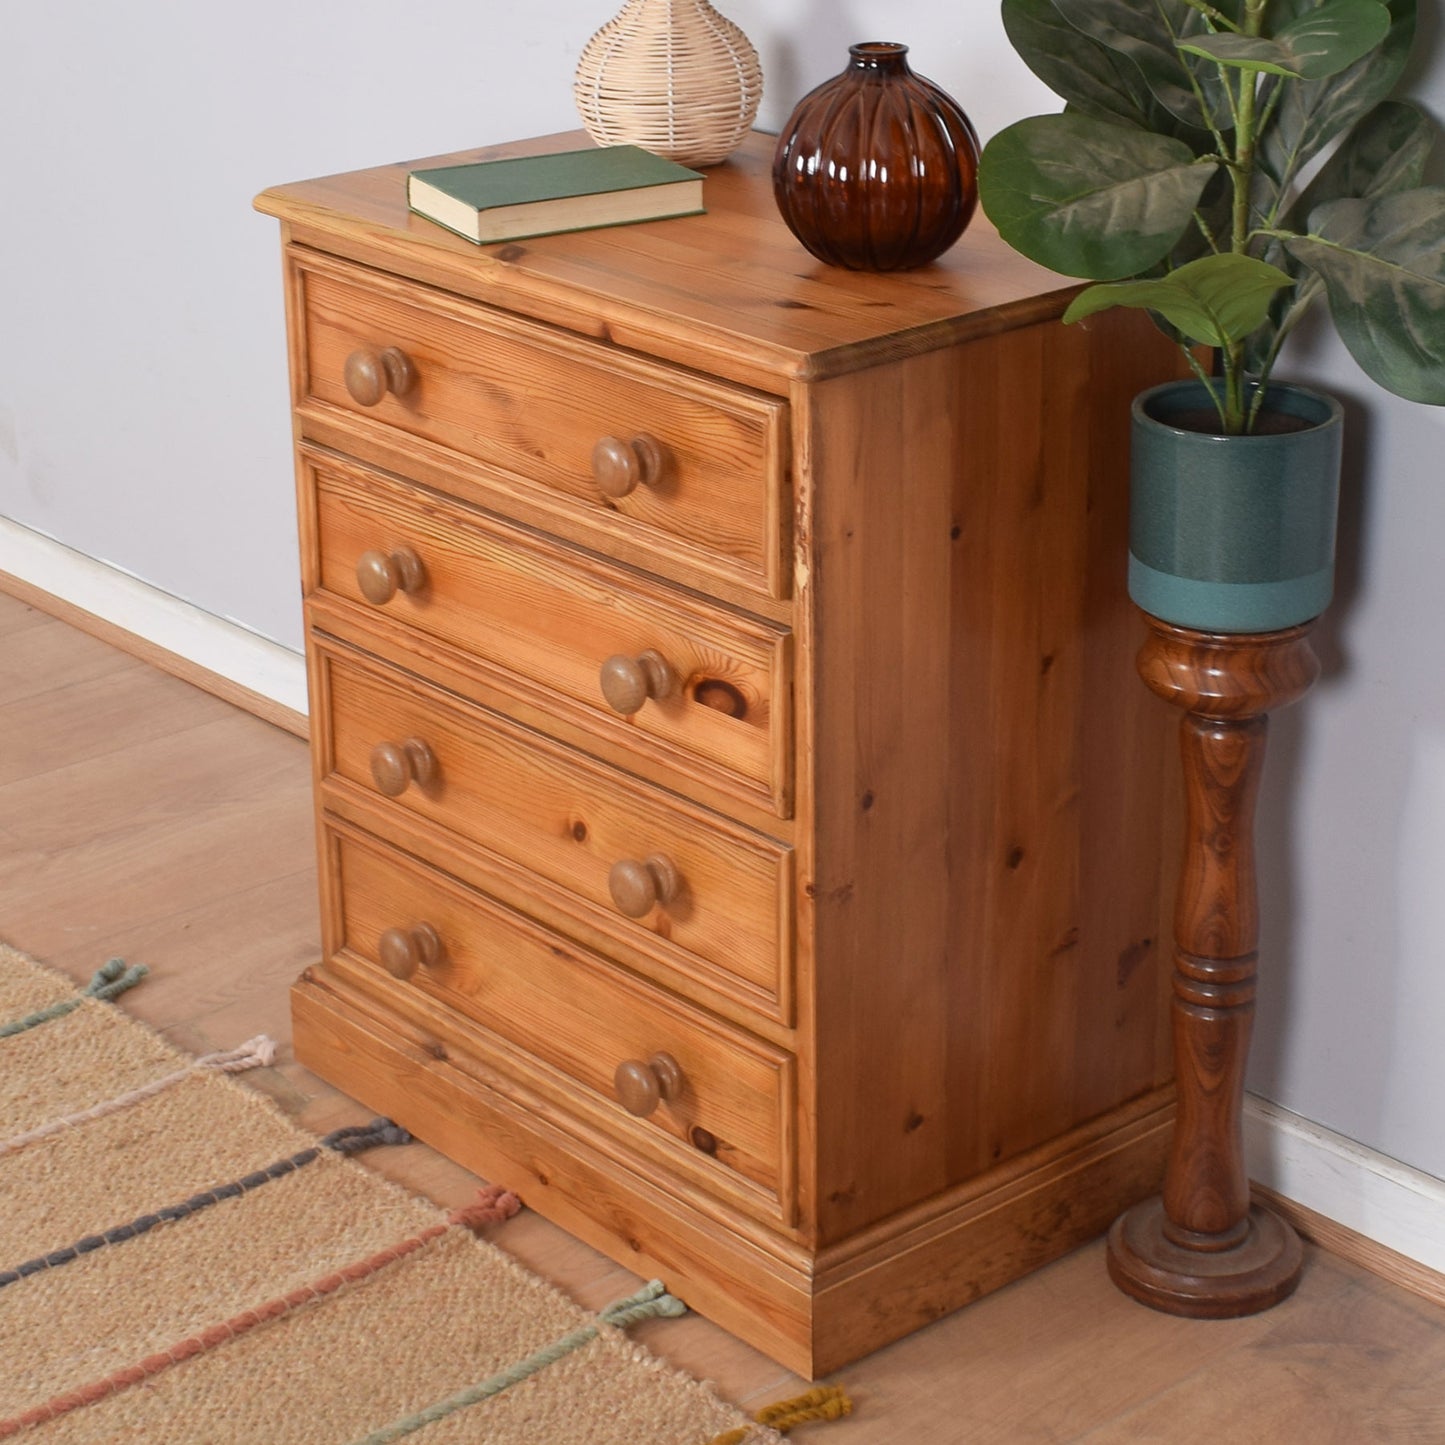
115, 977
651, 1302
827, 1402
257, 1053
357, 1137
494, 1205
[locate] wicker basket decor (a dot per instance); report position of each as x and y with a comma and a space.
671, 76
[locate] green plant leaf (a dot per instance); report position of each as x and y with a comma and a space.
1311, 113
1214, 301
1088, 198
1313, 46
1242, 52
1086, 75
1333, 37
1146, 35
1383, 264
1385, 152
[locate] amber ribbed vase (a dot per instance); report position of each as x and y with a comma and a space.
877, 169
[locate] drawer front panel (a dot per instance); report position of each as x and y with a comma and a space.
573, 822
562, 1013
535, 403
551, 618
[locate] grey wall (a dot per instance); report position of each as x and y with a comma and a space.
143, 417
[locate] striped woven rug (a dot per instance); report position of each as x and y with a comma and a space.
181, 1265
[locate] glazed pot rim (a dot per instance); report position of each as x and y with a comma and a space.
1334, 412
877, 49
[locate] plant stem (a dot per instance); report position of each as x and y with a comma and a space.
1242, 174
1218, 17
1209, 386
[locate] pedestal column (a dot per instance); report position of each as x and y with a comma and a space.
1202, 1249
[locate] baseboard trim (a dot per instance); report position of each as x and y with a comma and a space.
1356, 1203
222, 658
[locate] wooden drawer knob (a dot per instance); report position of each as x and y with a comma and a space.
618, 466
642, 1087
637, 888
404, 950
627, 682
381, 575
369, 375
396, 766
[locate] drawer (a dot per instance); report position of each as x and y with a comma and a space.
695, 687
689, 469
695, 894
702, 1098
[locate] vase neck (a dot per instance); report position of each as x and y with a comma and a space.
879, 57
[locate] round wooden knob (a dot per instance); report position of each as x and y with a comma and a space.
403, 950
369, 375
637, 888
381, 575
396, 766
618, 466
627, 682
642, 1087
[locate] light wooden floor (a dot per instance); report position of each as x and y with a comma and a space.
141, 817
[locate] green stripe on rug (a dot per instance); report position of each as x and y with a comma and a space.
649, 1303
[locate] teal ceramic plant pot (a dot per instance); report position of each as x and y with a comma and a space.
1233, 533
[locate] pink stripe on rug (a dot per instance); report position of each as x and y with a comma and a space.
494, 1204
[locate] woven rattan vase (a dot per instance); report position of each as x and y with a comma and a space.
671, 76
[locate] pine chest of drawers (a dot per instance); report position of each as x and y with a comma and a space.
741, 828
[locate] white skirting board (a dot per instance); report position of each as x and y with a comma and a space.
1375, 1196
225, 648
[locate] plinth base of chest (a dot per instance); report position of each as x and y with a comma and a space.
812, 1311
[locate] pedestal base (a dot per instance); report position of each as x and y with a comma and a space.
1253, 1275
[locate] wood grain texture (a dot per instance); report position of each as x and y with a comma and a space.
1203, 1249
914, 713
964, 598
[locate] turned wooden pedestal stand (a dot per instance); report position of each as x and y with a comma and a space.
1202, 1249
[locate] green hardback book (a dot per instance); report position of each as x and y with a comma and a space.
567, 191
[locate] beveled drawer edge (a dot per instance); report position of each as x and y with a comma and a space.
373, 812
549, 1081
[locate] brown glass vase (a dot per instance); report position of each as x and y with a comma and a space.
877, 169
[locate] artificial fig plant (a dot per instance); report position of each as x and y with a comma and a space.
1180, 173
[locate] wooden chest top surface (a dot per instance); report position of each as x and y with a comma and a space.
731, 283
